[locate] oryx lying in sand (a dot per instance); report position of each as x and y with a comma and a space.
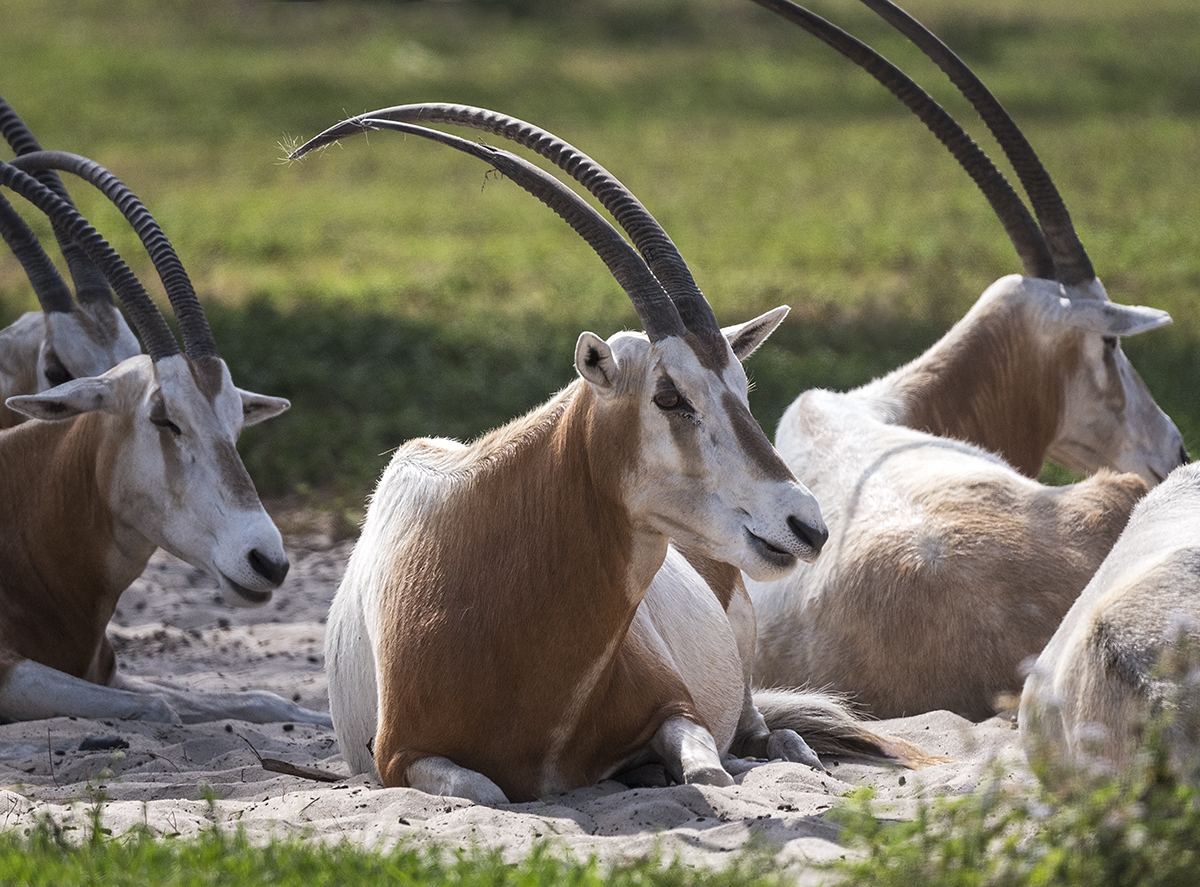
947, 567
139, 457
67, 339
1108, 668
513, 621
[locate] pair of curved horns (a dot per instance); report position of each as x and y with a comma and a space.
667, 300
1053, 250
83, 247
155, 334
51, 290
193, 325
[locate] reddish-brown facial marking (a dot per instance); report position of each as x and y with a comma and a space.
753, 442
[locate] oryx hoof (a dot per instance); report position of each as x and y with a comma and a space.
708, 776
786, 745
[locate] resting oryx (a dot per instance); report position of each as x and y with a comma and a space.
513, 621
66, 339
139, 457
946, 567
1108, 668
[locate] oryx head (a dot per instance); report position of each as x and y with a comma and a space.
703, 472
168, 421
1111, 420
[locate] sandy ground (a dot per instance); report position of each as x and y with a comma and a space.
172, 624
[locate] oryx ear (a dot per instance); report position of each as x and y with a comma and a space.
64, 401
744, 338
595, 361
1111, 319
260, 407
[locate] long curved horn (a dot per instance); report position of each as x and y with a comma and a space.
153, 329
193, 325
654, 307
48, 285
90, 283
1070, 258
1022, 230
647, 234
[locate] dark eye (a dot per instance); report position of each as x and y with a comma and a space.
159, 417
667, 399
56, 373
1110, 342
164, 422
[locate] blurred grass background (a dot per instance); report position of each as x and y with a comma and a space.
390, 288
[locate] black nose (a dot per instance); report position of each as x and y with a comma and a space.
270, 569
814, 537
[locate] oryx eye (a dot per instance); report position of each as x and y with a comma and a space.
56, 373
1110, 342
667, 399
164, 422
159, 418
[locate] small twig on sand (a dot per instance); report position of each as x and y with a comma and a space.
158, 757
9, 812
50, 755
277, 766
274, 765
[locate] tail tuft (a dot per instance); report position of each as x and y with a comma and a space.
830, 725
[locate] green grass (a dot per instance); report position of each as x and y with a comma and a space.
1144, 832
1141, 829
391, 289
213, 858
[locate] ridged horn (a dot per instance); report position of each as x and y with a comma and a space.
1070, 258
90, 283
155, 334
193, 325
49, 287
643, 229
654, 307
1022, 229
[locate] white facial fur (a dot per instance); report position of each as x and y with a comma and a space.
86, 341
170, 432
1111, 420
706, 475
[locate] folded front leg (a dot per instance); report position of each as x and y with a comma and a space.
34, 691
689, 753
199, 707
441, 776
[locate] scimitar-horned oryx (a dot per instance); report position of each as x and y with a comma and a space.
514, 621
947, 568
139, 457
